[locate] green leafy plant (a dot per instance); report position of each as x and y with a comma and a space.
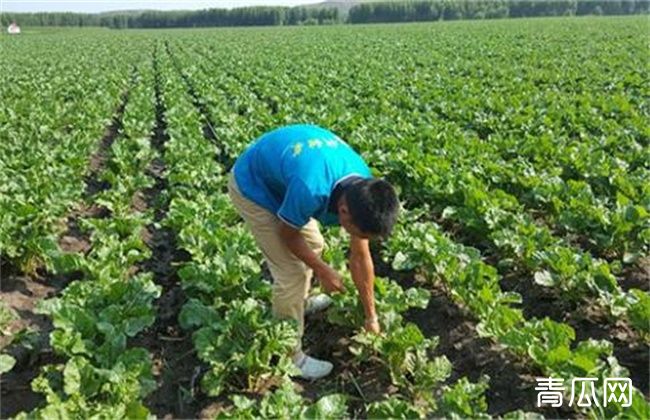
393, 408
390, 302
244, 341
286, 403
465, 400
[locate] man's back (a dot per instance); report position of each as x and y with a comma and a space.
292, 171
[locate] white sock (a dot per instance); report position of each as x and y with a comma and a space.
299, 359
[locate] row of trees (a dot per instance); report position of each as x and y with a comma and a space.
242, 16
413, 11
50, 19
395, 11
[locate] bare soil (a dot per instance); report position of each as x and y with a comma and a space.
176, 367
98, 160
637, 275
22, 293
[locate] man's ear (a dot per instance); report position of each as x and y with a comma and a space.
343, 207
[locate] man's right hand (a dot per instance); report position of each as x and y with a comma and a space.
372, 325
330, 279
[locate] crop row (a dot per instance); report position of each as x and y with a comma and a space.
94, 317
526, 107
536, 154
545, 344
235, 334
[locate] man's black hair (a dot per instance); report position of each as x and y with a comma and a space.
373, 206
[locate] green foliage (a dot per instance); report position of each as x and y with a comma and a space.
465, 400
536, 157
46, 148
245, 341
547, 344
102, 377
390, 302
407, 354
640, 310
286, 403
392, 408
89, 392
95, 319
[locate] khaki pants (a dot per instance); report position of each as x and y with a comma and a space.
291, 277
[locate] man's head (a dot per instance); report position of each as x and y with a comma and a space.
368, 208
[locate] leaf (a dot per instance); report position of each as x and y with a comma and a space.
72, 376
7, 363
328, 407
465, 399
392, 408
544, 278
213, 381
449, 212
194, 314
401, 262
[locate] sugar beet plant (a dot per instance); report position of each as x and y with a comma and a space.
231, 302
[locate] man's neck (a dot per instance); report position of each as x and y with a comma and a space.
339, 192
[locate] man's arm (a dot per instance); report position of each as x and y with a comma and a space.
296, 243
363, 275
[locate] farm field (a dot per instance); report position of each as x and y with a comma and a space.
520, 149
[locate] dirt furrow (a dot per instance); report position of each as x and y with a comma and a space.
171, 348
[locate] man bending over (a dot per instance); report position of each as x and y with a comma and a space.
286, 182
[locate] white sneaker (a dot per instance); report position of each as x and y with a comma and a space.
311, 368
317, 303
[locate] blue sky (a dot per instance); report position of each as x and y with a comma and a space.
93, 6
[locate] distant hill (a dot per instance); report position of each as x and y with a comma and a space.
344, 6
124, 12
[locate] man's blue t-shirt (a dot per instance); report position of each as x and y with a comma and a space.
292, 172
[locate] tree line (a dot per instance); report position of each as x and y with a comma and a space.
374, 12
241, 16
414, 11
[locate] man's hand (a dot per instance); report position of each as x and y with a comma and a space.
330, 279
372, 325
294, 240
